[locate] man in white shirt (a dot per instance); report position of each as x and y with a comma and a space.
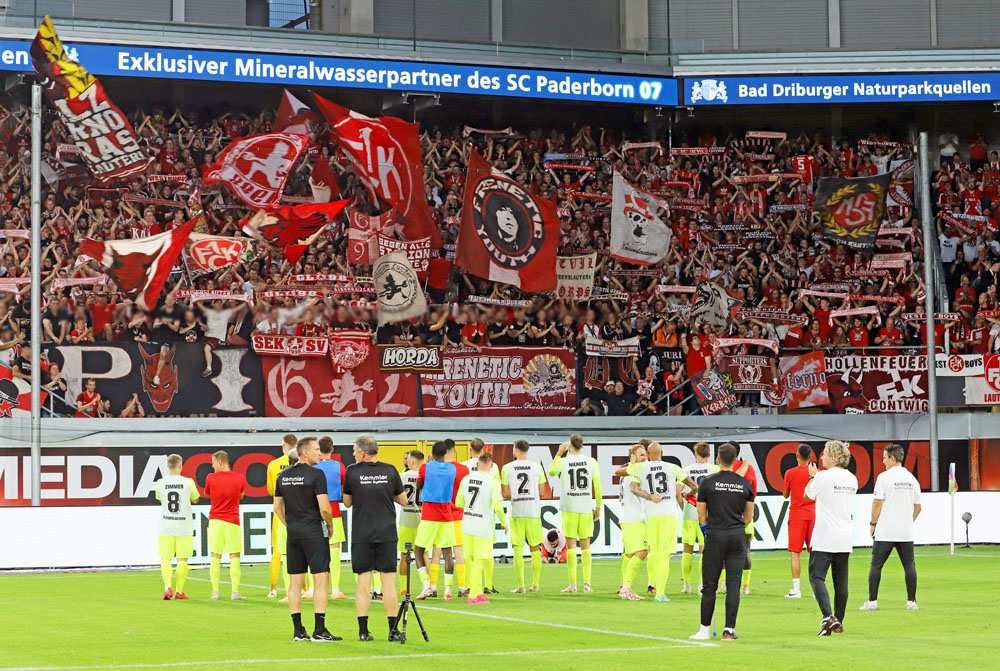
894, 509
833, 489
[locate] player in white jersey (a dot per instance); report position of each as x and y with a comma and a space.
175, 493
691, 534
476, 448
523, 484
409, 516
579, 504
633, 525
479, 497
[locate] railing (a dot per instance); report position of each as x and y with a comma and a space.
48, 409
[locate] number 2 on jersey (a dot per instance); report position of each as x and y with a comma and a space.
522, 486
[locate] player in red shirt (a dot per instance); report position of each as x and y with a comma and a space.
801, 513
225, 487
456, 515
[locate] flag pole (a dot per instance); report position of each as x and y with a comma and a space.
929, 260
952, 488
36, 294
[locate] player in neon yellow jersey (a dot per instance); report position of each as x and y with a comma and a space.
659, 485
579, 503
523, 484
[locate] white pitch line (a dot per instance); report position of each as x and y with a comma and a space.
560, 625
166, 665
557, 625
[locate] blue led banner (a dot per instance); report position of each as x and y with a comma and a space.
383, 75
883, 88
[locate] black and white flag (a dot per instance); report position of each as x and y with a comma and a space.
400, 296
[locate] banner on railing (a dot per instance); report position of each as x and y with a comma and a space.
412, 358
289, 345
877, 384
502, 381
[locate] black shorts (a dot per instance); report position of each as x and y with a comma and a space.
379, 557
311, 551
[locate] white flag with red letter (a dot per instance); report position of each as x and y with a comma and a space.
140, 266
385, 153
637, 234
255, 168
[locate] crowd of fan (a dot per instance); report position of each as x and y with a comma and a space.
734, 232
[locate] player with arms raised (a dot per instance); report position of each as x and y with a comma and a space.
523, 483
579, 503
175, 493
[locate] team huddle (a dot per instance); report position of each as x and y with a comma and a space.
448, 513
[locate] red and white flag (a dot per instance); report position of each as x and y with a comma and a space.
292, 229
15, 395
385, 153
255, 168
361, 247
323, 182
294, 116
208, 253
194, 200
140, 266
506, 235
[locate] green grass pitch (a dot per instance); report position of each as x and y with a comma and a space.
117, 620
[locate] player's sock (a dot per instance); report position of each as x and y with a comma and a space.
297, 622
449, 578
422, 573
587, 565
235, 573
536, 567
795, 584
625, 563
275, 569
687, 559
488, 566
215, 573
435, 570
182, 574
519, 567
633, 568
460, 570
335, 574
746, 577
166, 570
476, 580
661, 573
362, 625
319, 622
571, 565
701, 563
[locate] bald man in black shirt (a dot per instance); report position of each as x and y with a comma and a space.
725, 508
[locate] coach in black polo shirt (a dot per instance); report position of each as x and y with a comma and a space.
302, 505
725, 508
371, 488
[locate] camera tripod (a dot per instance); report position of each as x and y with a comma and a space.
408, 603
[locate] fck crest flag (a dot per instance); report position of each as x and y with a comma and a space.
209, 253
99, 129
506, 235
385, 152
294, 116
400, 296
140, 267
255, 168
852, 209
637, 234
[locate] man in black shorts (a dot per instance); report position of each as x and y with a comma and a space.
725, 508
371, 488
302, 505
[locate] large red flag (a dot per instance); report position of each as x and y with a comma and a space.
385, 153
294, 116
255, 168
323, 182
292, 229
506, 235
140, 267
